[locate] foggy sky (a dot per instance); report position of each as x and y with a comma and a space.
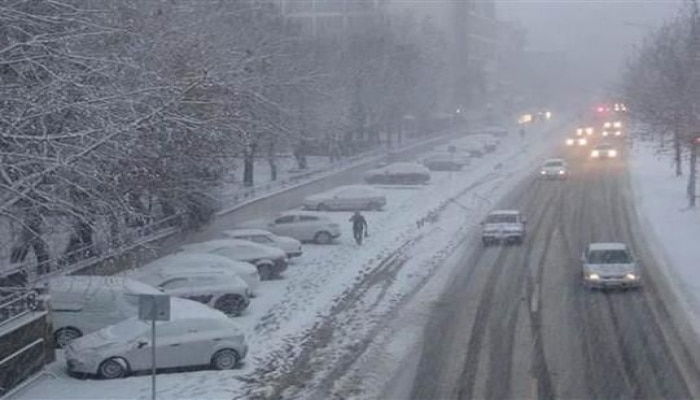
597, 35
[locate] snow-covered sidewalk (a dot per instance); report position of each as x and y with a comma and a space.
673, 228
311, 327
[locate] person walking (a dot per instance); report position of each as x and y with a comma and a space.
522, 133
359, 227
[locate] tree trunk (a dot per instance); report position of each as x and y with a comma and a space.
677, 153
691, 175
248, 166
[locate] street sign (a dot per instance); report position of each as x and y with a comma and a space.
154, 307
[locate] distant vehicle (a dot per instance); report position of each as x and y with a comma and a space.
612, 129
306, 226
195, 335
554, 168
270, 261
399, 174
289, 245
246, 271
587, 131
603, 150
347, 198
83, 304
579, 141
609, 265
218, 288
503, 226
445, 161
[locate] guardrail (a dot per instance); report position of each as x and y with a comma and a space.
16, 303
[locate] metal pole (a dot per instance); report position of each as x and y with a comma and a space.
153, 357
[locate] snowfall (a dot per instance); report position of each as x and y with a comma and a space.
346, 319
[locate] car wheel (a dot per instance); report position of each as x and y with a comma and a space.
64, 336
322, 207
113, 368
265, 271
231, 304
323, 238
225, 359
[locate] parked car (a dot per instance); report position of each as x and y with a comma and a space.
604, 150
609, 265
445, 161
218, 288
245, 270
83, 304
554, 168
347, 198
291, 246
195, 335
503, 226
306, 226
403, 173
270, 261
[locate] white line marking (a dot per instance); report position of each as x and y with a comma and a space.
535, 299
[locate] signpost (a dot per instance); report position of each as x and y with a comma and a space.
154, 307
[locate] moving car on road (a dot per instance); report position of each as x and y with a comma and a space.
218, 288
503, 226
306, 226
270, 261
347, 198
195, 335
604, 150
609, 265
554, 168
612, 129
403, 173
289, 245
578, 141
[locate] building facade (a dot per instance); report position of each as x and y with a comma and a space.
331, 17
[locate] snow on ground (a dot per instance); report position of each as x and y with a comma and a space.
661, 201
334, 302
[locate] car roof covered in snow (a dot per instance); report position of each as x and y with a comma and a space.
247, 232
607, 246
211, 245
302, 212
504, 212
84, 285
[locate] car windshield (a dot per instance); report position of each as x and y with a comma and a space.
554, 164
501, 219
609, 257
128, 329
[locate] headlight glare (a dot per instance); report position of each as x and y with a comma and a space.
595, 153
593, 277
632, 277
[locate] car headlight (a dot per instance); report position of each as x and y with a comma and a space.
605, 133
569, 142
582, 142
593, 277
632, 277
618, 133
562, 172
612, 153
595, 153
617, 124
589, 131
543, 172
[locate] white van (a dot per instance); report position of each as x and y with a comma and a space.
83, 304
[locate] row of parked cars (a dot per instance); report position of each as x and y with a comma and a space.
94, 317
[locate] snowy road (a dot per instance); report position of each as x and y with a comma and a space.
517, 323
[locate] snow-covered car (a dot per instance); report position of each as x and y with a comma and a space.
609, 265
270, 261
306, 226
245, 270
446, 161
218, 288
403, 173
503, 226
83, 304
195, 335
495, 130
554, 168
347, 198
603, 150
289, 245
